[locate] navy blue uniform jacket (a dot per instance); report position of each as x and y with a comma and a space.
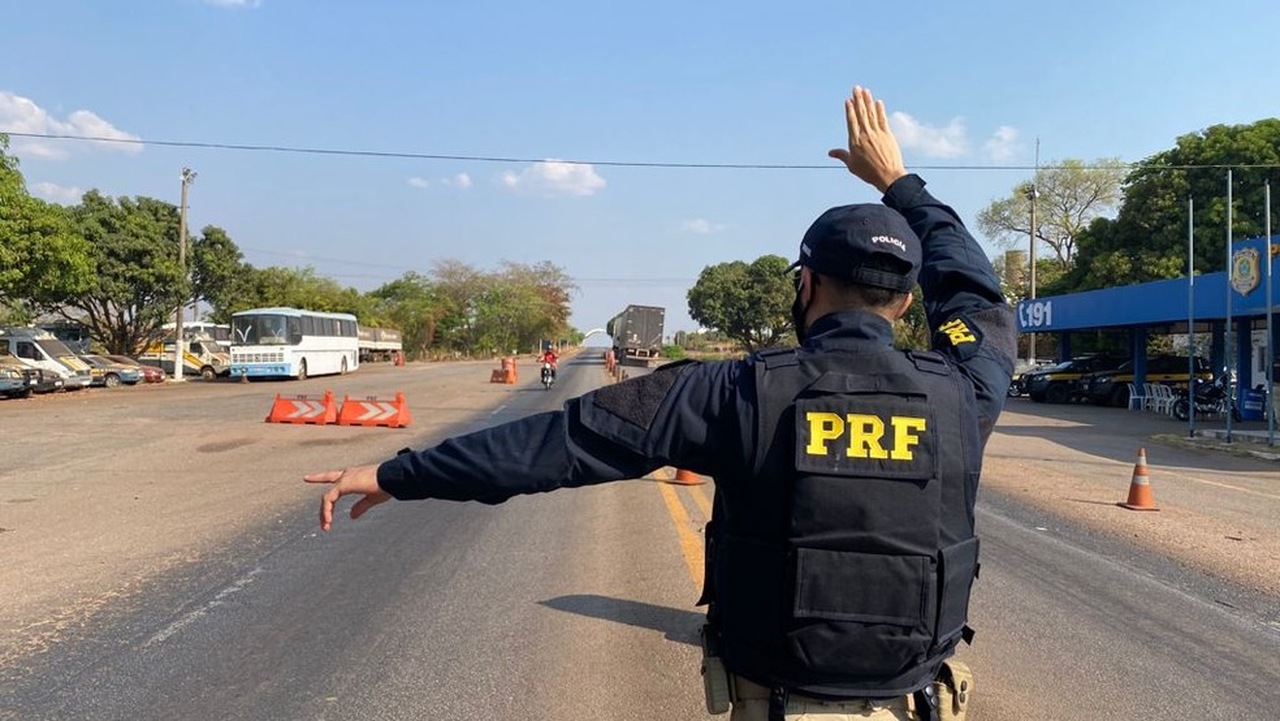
700, 416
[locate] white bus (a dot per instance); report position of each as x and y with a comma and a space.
287, 342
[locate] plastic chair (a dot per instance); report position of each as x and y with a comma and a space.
1137, 401
1148, 397
1164, 399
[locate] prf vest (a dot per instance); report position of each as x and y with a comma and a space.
841, 565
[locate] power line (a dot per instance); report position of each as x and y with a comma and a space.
348, 152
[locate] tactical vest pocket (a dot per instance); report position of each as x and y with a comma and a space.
861, 613
957, 566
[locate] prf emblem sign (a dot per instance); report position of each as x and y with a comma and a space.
1245, 271
878, 438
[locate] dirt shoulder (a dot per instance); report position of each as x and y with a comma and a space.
1219, 505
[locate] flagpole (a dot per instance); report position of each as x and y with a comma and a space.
1230, 345
1191, 318
1271, 358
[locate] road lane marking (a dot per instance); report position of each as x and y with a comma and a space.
498, 410
1219, 484
204, 610
690, 542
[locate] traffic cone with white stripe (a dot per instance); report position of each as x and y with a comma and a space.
1140, 496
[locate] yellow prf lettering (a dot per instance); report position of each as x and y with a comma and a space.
865, 432
903, 438
823, 427
957, 332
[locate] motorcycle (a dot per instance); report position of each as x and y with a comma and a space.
1210, 398
548, 376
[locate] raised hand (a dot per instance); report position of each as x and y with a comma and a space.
873, 153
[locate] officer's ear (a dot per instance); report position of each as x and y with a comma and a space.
903, 305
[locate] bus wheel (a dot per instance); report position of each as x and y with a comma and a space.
207, 373
302, 370
343, 369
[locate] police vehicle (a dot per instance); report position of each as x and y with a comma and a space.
1111, 386
1061, 383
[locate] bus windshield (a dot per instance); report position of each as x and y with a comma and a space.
265, 330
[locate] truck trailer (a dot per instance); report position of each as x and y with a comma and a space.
637, 334
379, 344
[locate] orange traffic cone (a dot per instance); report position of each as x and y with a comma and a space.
1140, 497
687, 478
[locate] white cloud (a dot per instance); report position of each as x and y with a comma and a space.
1002, 146
701, 226
948, 141
234, 3
553, 177
22, 115
461, 180
62, 194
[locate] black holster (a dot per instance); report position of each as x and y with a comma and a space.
926, 703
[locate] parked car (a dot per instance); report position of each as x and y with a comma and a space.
1111, 386
150, 374
1021, 369
110, 374
1061, 383
37, 380
17, 382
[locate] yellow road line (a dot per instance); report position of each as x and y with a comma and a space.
702, 498
690, 542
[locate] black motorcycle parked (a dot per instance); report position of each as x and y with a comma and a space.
1211, 399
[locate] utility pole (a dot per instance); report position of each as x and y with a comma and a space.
188, 176
1032, 194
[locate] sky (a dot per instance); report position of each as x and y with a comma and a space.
970, 88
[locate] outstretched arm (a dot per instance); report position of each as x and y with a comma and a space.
965, 306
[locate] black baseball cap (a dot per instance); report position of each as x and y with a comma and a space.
867, 243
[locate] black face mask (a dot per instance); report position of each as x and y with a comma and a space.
798, 311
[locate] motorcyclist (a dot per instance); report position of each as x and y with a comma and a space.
549, 359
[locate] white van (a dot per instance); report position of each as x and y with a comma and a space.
202, 356
41, 349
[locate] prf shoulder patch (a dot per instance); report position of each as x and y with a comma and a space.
961, 335
866, 437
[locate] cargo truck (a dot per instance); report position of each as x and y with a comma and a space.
379, 343
637, 334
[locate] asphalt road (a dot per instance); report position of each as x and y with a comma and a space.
577, 603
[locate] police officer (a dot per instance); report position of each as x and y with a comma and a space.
841, 548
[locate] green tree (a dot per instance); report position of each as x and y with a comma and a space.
137, 282
295, 288
1148, 238
553, 288
216, 265
412, 304
1070, 195
42, 259
749, 303
912, 331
